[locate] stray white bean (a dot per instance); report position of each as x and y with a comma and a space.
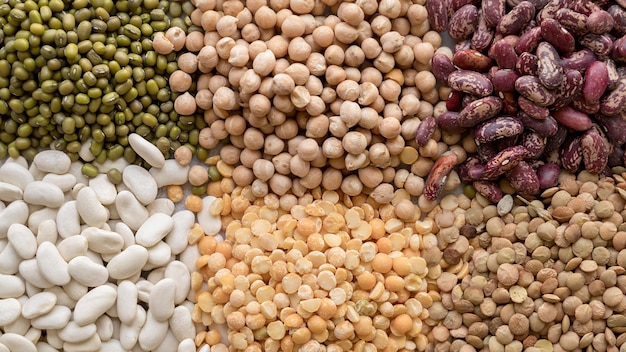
146, 150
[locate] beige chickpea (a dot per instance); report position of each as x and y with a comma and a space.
273, 145
207, 59
348, 90
334, 55
314, 85
281, 163
384, 62
393, 110
282, 84
350, 113
391, 41
317, 126
354, 56
242, 176
390, 90
185, 104
379, 154
301, 6
323, 36
308, 149
335, 75
293, 26
332, 148
259, 105
424, 52
226, 26
315, 107
298, 166
409, 104
369, 118
371, 48
300, 97
225, 98
345, 33
218, 129
354, 142
331, 179
209, 20
350, 13
264, 63
353, 73
395, 145
331, 21
401, 25
425, 81
337, 127
299, 73
256, 47
351, 185
370, 176
365, 31
230, 154
287, 130
298, 50
250, 82
278, 45
328, 95
248, 157
316, 63
380, 25
389, 127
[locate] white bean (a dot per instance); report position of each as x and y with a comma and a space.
47, 231
146, 150
141, 183
103, 241
73, 247
9, 260
161, 205
38, 304
181, 324
154, 229
159, 255
65, 182
104, 188
177, 238
131, 211
15, 174
93, 343
17, 342
68, 220
129, 333
178, 272
72, 332
211, 225
172, 173
44, 193
54, 161
161, 301
9, 192
152, 333
128, 262
90, 209
29, 269
105, 327
23, 240
15, 213
10, 309
86, 272
92, 305
186, 345
57, 318
52, 265
126, 301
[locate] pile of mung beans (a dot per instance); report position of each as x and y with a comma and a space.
290, 175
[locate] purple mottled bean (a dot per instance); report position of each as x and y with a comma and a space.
442, 67
596, 81
483, 36
570, 88
574, 22
493, 11
612, 74
470, 82
600, 44
619, 19
549, 11
534, 143
546, 127
549, 69
529, 40
548, 175
578, 60
585, 7
457, 4
516, 19
509, 102
614, 128
463, 23
486, 151
504, 161
532, 89
449, 122
571, 154
615, 100
555, 141
472, 60
523, 179
599, 22
438, 175
504, 54
480, 110
595, 151
506, 142
462, 45
476, 172
497, 128
438, 14
527, 64
453, 103
425, 130
616, 158
588, 107
619, 50
489, 189
503, 80
532, 109
559, 37
469, 163
572, 118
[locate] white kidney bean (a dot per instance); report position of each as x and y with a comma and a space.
131, 211
72, 332
104, 326
154, 229
178, 272
65, 182
146, 150
90, 209
177, 238
14, 213
93, 343
29, 269
129, 333
9, 192
159, 255
186, 345
54, 161
52, 265
161, 205
16, 342
10, 309
86, 272
9, 260
44, 193
128, 262
104, 188
94, 304
73, 247
126, 301
103, 241
152, 333
38, 304
172, 173
23, 240
141, 183
211, 225
57, 318
181, 324
161, 301
68, 220
15, 174
47, 231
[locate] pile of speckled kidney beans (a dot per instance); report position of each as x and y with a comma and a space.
540, 85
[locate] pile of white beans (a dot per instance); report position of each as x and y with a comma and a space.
87, 265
